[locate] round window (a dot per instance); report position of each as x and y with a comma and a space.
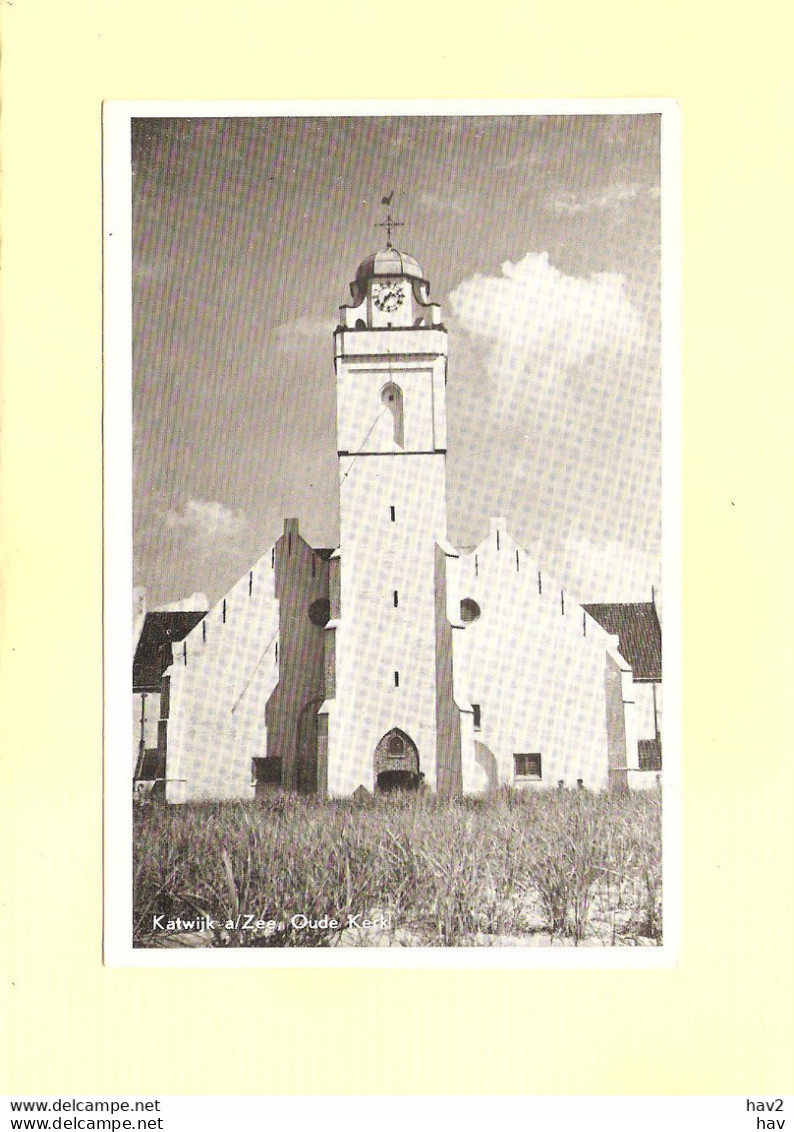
469, 610
320, 612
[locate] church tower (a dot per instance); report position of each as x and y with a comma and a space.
390, 716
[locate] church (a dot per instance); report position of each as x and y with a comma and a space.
395, 660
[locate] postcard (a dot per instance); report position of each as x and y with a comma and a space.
391, 450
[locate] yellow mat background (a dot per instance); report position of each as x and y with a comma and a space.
722, 1020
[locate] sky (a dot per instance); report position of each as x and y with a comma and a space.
540, 238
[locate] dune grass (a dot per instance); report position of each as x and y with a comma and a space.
557, 867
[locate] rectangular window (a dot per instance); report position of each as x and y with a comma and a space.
250, 583
393, 513
650, 754
396, 599
477, 716
266, 772
396, 679
527, 765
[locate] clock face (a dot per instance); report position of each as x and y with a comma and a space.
389, 297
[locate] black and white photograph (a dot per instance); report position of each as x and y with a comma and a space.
386, 492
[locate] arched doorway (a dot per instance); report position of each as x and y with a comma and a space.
397, 762
306, 748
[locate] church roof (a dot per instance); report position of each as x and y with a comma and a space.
388, 261
153, 654
636, 624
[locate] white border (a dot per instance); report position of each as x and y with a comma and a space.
117, 542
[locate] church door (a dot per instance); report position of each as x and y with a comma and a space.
397, 762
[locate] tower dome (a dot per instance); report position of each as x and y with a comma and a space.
388, 261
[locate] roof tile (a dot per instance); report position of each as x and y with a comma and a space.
636, 624
153, 654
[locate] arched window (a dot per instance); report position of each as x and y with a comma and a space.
392, 397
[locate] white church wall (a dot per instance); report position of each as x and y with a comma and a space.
456, 769
621, 719
648, 713
376, 638
648, 722
536, 671
366, 420
643, 779
352, 344
222, 676
363, 421
439, 383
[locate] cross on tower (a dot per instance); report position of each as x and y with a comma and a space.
388, 224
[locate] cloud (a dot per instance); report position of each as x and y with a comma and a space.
297, 332
541, 332
572, 204
554, 421
207, 521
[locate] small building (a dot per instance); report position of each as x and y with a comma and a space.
156, 634
636, 625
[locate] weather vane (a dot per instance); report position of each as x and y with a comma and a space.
388, 223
